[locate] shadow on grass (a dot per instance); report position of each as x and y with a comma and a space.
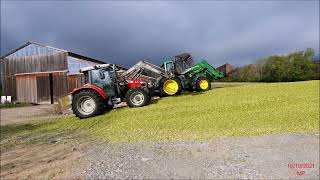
193, 93
155, 101
8, 130
11, 130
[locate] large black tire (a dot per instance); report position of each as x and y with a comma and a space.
190, 89
137, 97
200, 87
162, 91
149, 94
108, 107
87, 103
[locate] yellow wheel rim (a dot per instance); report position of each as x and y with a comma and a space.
170, 87
204, 84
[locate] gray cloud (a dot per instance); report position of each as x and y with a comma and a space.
125, 32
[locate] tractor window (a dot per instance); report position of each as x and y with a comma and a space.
169, 66
96, 77
112, 75
181, 66
104, 83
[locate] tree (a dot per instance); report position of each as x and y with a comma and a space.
275, 69
295, 66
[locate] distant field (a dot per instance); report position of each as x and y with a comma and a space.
251, 110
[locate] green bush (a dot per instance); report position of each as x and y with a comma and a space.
297, 66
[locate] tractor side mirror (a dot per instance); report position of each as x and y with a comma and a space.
101, 74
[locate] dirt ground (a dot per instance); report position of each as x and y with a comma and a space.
74, 157
25, 114
54, 156
278, 156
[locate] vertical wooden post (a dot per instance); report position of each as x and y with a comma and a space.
51, 87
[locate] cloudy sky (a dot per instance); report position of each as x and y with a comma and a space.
238, 32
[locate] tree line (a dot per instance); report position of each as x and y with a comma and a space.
296, 66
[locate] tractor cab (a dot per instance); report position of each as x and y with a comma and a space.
179, 64
103, 78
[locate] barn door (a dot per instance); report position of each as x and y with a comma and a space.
43, 86
59, 85
26, 86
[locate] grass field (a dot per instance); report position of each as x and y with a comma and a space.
233, 84
224, 112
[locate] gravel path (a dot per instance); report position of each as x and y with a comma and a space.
245, 157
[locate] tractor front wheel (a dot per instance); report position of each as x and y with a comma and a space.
137, 97
203, 84
87, 103
170, 87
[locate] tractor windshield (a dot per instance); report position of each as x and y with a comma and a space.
182, 62
168, 66
102, 79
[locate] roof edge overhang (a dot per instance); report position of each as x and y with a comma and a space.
45, 72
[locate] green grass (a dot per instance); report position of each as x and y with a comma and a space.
233, 84
14, 105
224, 112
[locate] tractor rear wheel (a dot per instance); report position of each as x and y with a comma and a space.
203, 84
137, 97
170, 87
87, 103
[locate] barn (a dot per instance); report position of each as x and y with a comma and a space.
227, 69
39, 73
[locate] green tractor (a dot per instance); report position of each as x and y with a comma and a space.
188, 76
175, 75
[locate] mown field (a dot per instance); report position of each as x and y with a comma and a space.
223, 112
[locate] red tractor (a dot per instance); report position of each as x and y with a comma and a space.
105, 88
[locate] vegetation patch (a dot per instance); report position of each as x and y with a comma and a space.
258, 109
14, 105
296, 66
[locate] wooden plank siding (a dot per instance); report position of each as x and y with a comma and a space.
36, 87
60, 85
32, 64
43, 86
75, 81
11, 66
27, 88
9, 86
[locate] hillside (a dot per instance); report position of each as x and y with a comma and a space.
223, 112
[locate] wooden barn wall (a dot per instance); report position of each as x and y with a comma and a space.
75, 81
9, 86
36, 63
27, 88
60, 85
43, 86
36, 87
28, 64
